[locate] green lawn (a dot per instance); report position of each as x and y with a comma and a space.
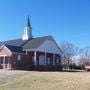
50, 81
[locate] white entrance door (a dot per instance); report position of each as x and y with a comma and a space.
41, 60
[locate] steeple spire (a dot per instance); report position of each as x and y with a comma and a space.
27, 30
28, 22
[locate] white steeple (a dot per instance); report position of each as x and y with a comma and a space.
27, 31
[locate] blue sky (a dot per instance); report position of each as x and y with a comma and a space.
65, 20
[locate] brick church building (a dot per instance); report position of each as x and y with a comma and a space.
40, 53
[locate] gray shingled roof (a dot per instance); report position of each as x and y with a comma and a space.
16, 42
15, 49
36, 42
18, 45
14, 45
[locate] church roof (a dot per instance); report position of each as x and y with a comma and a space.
36, 42
15, 42
15, 49
18, 44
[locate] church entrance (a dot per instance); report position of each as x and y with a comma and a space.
4, 62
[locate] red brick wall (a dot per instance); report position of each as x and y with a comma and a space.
25, 62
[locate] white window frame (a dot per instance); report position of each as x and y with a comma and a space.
42, 61
57, 60
18, 57
48, 60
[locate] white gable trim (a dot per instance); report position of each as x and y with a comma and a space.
18, 53
3, 46
34, 49
49, 46
3, 55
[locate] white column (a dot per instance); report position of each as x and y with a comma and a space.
45, 58
35, 58
4, 62
54, 59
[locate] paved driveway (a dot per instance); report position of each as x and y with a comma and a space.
8, 75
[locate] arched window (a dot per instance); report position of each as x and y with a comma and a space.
57, 60
48, 61
18, 57
41, 60
32, 59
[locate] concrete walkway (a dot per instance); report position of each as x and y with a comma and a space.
8, 75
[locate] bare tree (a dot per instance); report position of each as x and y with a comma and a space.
68, 51
84, 56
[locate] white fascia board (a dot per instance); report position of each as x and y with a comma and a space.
34, 49
19, 53
3, 55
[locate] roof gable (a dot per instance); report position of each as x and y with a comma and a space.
5, 51
44, 44
49, 46
36, 42
13, 49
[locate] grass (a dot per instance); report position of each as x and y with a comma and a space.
50, 81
